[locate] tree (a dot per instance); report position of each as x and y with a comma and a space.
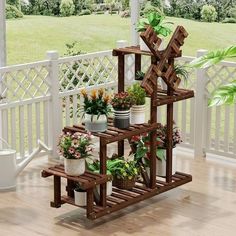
208, 13
67, 8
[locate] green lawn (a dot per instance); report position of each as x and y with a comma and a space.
29, 38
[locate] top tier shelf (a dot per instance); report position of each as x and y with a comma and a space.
131, 50
114, 134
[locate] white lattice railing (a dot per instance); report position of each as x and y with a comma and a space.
43, 97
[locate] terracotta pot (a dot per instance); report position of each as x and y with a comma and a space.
74, 167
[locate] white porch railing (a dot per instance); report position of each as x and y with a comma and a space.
42, 97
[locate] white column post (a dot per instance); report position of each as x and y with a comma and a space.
200, 110
135, 10
2, 57
55, 108
2, 34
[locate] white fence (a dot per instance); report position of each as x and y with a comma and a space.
42, 97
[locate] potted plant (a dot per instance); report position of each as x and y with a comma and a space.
75, 148
96, 109
139, 75
121, 104
143, 142
124, 172
156, 20
137, 111
94, 166
80, 196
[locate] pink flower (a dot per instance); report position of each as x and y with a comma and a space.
71, 150
75, 143
77, 155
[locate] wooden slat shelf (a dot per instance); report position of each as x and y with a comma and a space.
114, 134
131, 50
122, 198
179, 94
87, 180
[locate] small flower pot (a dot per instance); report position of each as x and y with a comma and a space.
161, 166
80, 198
74, 167
126, 184
95, 123
109, 188
137, 114
121, 119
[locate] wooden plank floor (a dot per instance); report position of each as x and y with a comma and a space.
206, 206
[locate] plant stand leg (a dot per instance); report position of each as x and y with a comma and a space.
169, 139
57, 192
89, 202
137, 63
153, 148
121, 148
103, 170
70, 188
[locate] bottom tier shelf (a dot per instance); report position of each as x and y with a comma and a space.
123, 198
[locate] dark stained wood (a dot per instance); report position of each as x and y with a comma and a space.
137, 66
89, 202
57, 192
121, 72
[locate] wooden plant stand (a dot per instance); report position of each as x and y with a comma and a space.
162, 65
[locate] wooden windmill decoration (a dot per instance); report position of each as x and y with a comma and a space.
164, 66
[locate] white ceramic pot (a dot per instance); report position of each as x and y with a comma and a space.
137, 114
93, 123
143, 45
161, 166
74, 167
109, 188
80, 198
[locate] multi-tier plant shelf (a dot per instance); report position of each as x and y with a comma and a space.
162, 66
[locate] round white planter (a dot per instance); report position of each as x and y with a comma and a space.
8, 168
137, 114
109, 188
161, 165
93, 123
74, 167
80, 198
143, 45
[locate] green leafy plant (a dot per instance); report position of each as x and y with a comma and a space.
75, 146
124, 168
12, 12
142, 143
137, 93
97, 103
208, 13
139, 75
122, 101
182, 72
224, 94
67, 8
155, 20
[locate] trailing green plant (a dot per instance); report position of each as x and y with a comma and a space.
137, 93
224, 94
157, 22
122, 101
97, 103
75, 146
139, 75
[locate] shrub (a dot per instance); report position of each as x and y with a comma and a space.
229, 20
85, 12
232, 13
208, 13
12, 12
150, 8
67, 8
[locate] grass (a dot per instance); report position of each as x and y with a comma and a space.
29, 38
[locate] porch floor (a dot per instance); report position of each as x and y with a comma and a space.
206, 206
